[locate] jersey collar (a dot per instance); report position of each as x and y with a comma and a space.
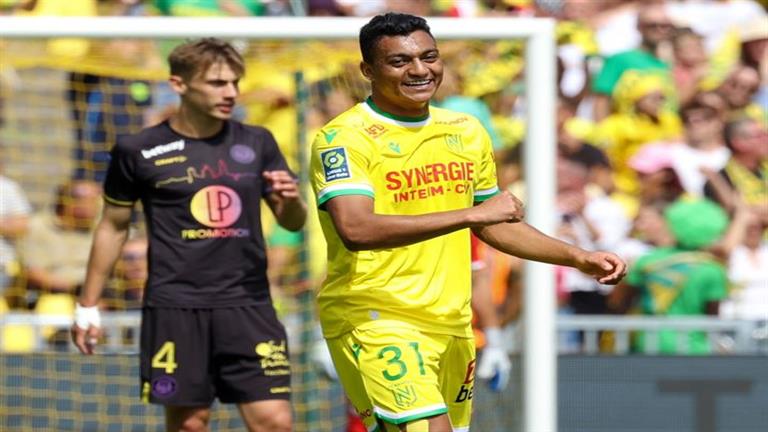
394, 119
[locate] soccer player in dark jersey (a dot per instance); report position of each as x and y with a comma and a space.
209, 329
399, 183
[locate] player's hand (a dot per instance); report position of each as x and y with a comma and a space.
494, 362
282, 185
86, 329
605, 267
321, 357
503, 207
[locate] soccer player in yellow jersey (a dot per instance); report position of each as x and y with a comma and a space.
398, 184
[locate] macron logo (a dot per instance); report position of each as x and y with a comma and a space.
163, 148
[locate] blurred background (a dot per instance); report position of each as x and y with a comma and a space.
662, 144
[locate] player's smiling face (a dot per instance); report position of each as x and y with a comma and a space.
213, 92
406, 72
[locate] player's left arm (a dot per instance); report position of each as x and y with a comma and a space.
284, 199
525, 241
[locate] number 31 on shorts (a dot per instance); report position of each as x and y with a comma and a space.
396, 367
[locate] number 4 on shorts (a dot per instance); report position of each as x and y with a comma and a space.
165, 358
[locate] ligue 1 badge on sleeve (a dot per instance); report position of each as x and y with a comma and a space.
335, 164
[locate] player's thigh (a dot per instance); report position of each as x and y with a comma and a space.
174, 358
391, 374
344, 351
457, 381
267, 415
250, 355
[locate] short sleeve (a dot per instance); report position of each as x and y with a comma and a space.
120, 186
340, 165
486, 184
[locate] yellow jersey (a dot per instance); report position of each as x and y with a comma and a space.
408, 166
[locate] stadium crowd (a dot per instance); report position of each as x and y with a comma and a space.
661, 132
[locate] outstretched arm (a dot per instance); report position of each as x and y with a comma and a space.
108, 239
525, 241
360, 228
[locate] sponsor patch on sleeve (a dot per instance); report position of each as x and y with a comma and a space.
335, 164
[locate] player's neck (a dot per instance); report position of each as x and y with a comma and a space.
193, 124
381, 106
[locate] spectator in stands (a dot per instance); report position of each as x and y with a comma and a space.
615, 24
126, 287
682, 280
660, 184
745, 174
659, 187
577, 51
738, 90
14, 220
104, 108
754, 54
704, 145
691, 64
747, 264
55, 251
656, 29
649, 231
105, 105
642, 117
589, 222
572, 144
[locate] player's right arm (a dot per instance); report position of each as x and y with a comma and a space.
342, 157
108, 238
360, 228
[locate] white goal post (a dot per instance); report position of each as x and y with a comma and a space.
539, 349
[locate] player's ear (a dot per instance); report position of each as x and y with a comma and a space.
366, 70
177, 84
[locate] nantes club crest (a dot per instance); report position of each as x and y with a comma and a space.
405, 395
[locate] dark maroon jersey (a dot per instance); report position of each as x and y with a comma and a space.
201, 199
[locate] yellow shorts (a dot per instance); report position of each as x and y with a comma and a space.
400, 374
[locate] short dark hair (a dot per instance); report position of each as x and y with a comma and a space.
389, 24
195, 56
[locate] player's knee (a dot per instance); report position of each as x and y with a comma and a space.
418, 426
282, 422
277, 422
187, 420
433, 424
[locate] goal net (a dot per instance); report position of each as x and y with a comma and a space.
64, 101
